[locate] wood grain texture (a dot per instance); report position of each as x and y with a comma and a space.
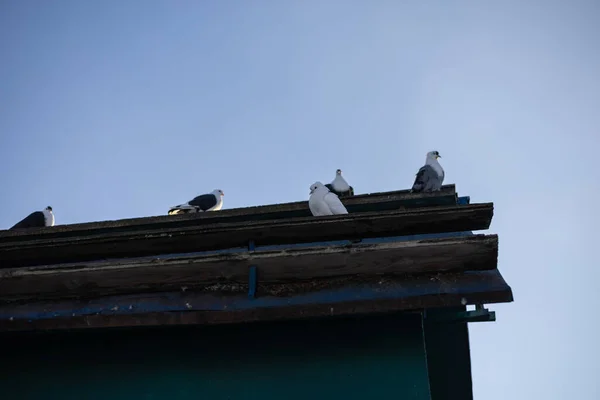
386, 295
478, 252
231, 235
384, 201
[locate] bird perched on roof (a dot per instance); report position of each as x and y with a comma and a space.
323, 202
212, 201
430, 176
36, 219
339, 186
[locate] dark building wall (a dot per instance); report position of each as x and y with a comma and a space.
448, 357
347, 358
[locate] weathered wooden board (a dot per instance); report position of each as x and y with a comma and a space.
231, 235
478, 252
370, 295
385, 201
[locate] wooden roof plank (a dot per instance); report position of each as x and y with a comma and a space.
478, 252
182, 308
384, 201
232, 235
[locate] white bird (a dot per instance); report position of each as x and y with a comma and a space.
430, 176
323, 202
36, 219
339, 185
212, 201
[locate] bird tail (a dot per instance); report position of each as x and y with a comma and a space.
174, 211
181, 209
417, 188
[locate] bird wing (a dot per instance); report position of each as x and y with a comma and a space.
334, 204
35, 219
426, 178
317, 206
349, 192
204, 201
332, 190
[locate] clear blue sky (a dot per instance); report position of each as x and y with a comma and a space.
121, 109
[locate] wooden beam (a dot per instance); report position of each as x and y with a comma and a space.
478, 252
232, 235
384, 201
381, 295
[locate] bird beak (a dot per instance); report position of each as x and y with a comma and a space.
438, 156
311, 191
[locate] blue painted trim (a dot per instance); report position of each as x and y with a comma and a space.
487, 281
464, 200
252, 282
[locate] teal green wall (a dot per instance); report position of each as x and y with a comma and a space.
345, 358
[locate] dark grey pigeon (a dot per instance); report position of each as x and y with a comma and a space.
430, 176
212, 201
36, 219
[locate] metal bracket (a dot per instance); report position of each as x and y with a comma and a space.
480, 314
